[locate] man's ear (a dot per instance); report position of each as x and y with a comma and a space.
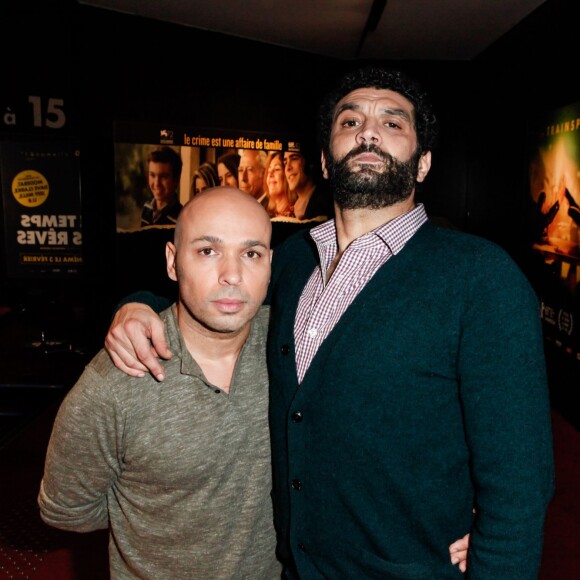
170, 256
424, 166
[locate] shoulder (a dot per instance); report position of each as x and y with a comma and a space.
101, 366
101, 381
467, 260
458, 245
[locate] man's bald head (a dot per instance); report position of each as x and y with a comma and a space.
221, 259
226, 202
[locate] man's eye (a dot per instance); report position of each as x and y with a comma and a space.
206, 251
350, 123
253, 254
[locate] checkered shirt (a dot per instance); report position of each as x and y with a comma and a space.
323, 302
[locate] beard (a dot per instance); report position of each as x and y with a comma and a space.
368, 188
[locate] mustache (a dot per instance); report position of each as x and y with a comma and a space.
367, 148
230, 295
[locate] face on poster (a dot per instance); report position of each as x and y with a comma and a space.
158, 169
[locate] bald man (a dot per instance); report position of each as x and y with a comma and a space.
180, 470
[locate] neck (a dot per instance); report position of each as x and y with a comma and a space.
305, 191
281, 203
216, 353
161, 203
354, 223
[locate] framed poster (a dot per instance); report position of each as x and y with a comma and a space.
200, 151
41, 200
159, 168
554, 177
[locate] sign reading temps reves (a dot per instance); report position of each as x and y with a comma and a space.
42, 209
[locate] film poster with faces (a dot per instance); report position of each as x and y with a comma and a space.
140, 247
134, 142
41, 203
554, 177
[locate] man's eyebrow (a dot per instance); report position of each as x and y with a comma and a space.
388, 111
254, 243
398, 113
208, 239
216, 240
346, 107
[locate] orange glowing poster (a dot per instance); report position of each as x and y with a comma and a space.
555, 192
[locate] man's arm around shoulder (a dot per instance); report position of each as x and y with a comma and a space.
136, 337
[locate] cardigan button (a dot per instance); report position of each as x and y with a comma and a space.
297, 484
297, 417
285, 350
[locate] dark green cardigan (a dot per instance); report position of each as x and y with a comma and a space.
429, 398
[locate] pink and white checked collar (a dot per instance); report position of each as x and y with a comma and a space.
323, 303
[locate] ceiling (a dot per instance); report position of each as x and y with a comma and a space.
406, 29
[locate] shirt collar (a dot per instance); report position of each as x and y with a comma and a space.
394, 234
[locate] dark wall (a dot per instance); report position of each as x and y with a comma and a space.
517, 82
519, 79
109, 67
112, 67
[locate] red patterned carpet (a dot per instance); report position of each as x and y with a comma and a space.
561, 556
31, 550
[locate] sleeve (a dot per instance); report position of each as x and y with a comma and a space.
156, 302
505, 397
83, 458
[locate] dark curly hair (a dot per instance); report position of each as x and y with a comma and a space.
377, 77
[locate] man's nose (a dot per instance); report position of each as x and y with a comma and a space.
368, 133
230, 271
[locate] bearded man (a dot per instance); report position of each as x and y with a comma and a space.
406, 362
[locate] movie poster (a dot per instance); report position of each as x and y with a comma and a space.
41, 199
555, 194
205, 157
159, 168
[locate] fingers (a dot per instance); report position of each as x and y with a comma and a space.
122, 353
147, 343
128, 341
118, 362
147, 357
458, 552
459, 557
158, 339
